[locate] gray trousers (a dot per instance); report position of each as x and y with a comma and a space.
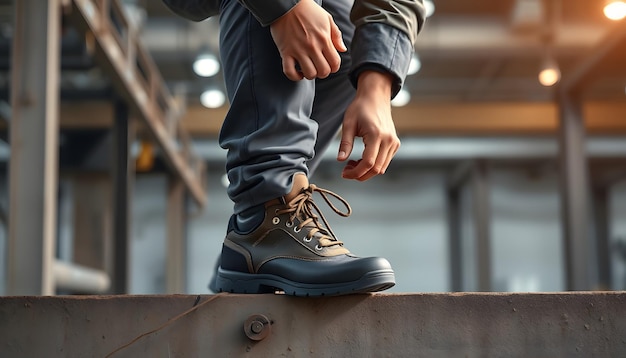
275, 127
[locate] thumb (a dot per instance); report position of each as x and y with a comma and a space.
347, 142
337, 38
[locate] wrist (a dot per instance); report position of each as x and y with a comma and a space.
375, 83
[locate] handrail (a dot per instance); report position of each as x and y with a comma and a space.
133, 69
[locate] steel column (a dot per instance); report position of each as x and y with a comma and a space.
602, 224
482, 223
176, 273
34, 147
575, 191
457, 178
454, 235
93, 246
123, 175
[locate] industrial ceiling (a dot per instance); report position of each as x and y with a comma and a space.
480, 50
470, 51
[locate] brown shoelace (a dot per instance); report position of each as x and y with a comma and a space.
304, 208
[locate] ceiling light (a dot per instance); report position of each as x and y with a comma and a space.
402, 98
414, 65
429, 5
206, 65
212, 98
615, 10
550, 73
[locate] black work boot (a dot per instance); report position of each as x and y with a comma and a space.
292, 252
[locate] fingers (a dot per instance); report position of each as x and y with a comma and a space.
332, 59
308, 40
348, 133
317, 63
336, 38
290, 70
375, 161
365, 167
324, 57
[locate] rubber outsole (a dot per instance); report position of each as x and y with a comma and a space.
239, 282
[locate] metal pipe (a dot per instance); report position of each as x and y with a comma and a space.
76, 278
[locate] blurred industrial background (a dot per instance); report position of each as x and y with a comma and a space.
511, 175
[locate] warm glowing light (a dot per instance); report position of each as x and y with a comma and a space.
615, 10
206, 65
212, 98
549, 77
550, 73
402, 99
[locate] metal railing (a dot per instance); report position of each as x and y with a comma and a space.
117, 46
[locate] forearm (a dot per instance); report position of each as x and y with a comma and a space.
375, 85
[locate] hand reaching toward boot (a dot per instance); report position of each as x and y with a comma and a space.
369, 117
308, 40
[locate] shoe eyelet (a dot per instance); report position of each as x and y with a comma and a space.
297, 229
275, 220
289, 224
318, 248
307, 239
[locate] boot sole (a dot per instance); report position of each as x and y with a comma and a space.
239, 282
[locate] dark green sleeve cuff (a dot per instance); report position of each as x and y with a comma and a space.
195, 10
383, 48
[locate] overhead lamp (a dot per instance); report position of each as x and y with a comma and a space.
414, 65
212, 98
615, 10
429, 6
206, 65
402, 98
550, 73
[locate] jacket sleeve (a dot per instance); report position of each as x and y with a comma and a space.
195, 10
385, 34
268, 11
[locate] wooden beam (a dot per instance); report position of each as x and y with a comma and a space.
446, 118
454, 118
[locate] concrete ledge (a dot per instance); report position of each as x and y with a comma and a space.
379, 325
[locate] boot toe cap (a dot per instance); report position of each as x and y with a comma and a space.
330, 270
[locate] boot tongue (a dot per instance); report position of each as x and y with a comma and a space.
300, 181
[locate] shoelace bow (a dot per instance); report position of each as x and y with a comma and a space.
304, 208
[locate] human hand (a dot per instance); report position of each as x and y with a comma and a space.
308, 37
369, 117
